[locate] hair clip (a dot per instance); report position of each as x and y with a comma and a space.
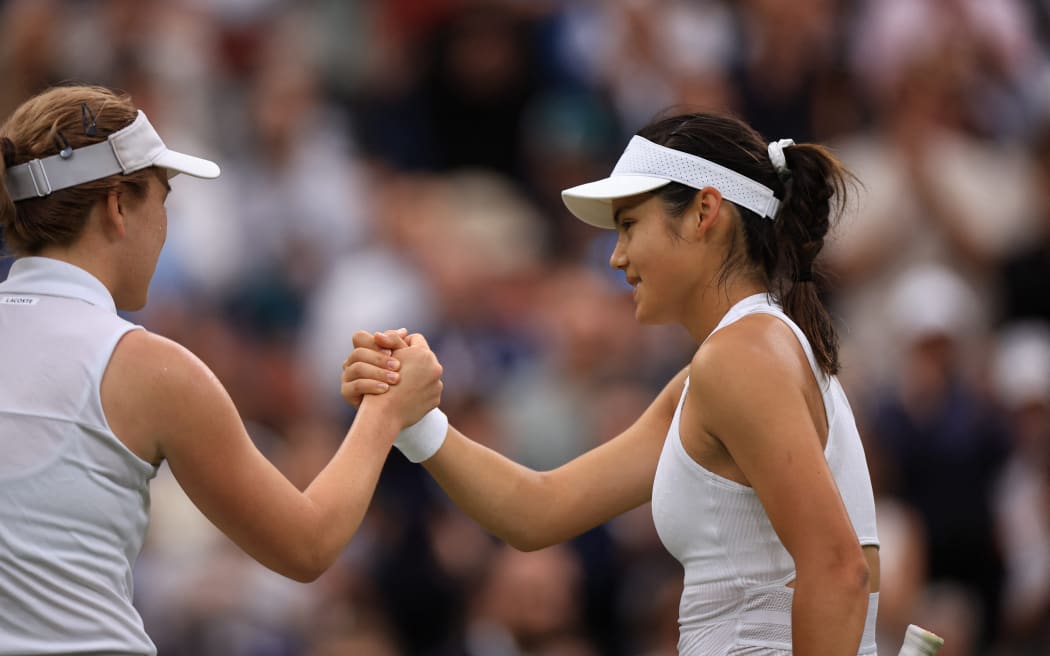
65, 151
90, 128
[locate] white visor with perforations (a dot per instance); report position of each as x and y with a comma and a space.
127, 150
645, 166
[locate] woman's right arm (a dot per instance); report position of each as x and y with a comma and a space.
164, 403
529, 509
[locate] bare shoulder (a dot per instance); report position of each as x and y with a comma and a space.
757, 347
169, 379
154, 361
753, 370
152, 387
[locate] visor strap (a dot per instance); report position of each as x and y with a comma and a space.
42, 177
643, 157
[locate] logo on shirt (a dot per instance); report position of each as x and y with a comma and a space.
19, 300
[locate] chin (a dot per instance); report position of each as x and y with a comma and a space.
645, 318
651, 319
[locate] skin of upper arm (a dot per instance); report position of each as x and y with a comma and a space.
162, 398
747, 390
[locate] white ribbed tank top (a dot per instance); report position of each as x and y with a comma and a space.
735, 599
74, 500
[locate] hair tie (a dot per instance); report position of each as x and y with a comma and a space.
805, 276
776, 154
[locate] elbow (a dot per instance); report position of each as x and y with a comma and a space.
526, 537
858, 572
307, 571
532, 530
865, 575
524, 541
529, 544
854, 575
305, 565
849, 575
860, 577
304, 575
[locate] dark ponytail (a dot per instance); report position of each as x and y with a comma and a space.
815, 185
782, 252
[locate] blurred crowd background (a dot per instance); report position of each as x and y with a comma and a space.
393, 163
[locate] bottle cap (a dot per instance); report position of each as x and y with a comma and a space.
922, 641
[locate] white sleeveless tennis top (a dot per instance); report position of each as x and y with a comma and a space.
735, 600
73, 499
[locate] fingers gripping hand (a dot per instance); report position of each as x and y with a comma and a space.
419, 389
391, 340
370, 368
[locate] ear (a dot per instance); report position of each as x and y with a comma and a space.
705, 211
114, 219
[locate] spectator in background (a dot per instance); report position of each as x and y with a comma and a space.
1021, 379
564, 138
30, 57
528, 603
787, 66
475, 74
647, 55
994, 42
1025, 271
919, 205
305, 202
943, 441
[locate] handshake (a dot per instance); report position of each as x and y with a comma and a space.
399, 371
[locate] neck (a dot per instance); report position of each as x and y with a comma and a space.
77, 255
714, 301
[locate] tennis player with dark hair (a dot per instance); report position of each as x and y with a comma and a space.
91, 404
750, 455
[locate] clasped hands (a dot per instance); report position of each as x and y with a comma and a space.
394, 368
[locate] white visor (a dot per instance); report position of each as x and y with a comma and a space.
127, 150
645, 166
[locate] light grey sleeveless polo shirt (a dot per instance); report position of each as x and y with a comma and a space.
74, 501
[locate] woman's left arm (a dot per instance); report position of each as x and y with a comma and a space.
748, 389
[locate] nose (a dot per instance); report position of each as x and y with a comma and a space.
618, 259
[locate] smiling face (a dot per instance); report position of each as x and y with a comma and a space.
660, 256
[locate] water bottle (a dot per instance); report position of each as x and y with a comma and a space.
920, 642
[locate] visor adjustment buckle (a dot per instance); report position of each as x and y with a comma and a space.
41, 183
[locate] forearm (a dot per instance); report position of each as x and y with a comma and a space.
828, 613
513, 502
340, 494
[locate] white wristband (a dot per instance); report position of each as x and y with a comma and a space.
422, 439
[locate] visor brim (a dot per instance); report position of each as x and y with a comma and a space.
177, 162
592, 202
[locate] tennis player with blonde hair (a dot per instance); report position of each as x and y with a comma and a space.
90, 404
